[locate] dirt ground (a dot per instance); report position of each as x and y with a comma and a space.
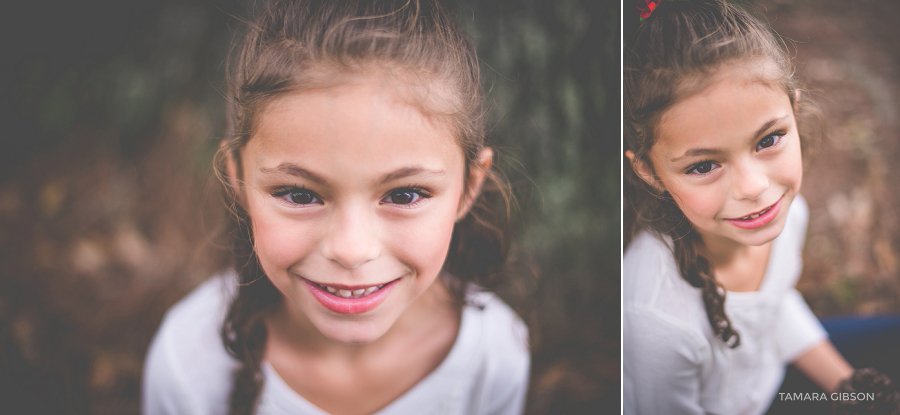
848, 57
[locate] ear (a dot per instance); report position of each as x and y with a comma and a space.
476, 180
796, 100
643, 171
231, 170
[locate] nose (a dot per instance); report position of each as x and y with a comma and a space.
351, 240
750, 181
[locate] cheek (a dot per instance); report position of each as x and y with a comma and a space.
698, 203
279, 242
790, 171
423, 243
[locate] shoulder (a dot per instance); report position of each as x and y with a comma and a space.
187, 369
499, 358
663, 314
647, 256
505, 334
196, 319
650, 277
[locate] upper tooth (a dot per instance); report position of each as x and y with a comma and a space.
344, 293
331, 289
359, 291
370, 290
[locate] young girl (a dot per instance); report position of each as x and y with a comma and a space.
713, 137
365, 224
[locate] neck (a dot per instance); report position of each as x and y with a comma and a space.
722, 251
738, 267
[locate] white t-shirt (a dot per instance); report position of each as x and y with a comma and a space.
673, 363
188, 370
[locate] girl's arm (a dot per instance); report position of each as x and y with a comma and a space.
824, 365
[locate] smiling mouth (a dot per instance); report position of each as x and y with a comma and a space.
757, 219
350, 299
344, 291
757, 214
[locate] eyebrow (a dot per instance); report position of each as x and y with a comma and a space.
409, 171
713, 151
696, 152
295, 170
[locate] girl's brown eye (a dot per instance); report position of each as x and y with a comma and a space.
297, 196
408, 196
704, 167
403, 197
769, 141
301, 197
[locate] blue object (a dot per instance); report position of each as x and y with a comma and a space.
868, 341
865, 341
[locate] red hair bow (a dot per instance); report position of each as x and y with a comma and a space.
646, 7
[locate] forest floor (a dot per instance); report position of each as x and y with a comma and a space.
848, 58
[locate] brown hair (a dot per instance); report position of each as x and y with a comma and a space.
293, 45
672, 55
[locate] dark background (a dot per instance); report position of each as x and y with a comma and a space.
110, 113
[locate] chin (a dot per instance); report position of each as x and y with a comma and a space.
762, 236
352, 332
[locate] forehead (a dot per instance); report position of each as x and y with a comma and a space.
730, 110
365, 122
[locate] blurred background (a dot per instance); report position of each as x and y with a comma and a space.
850, 64
111, 111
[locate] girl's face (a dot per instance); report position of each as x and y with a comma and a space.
352, 194
730, 157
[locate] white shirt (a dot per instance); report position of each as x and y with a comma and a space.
188, 370
674, 364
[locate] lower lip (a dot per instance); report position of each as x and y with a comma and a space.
760, 221
350, 305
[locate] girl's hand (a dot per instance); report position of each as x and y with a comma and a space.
868, 382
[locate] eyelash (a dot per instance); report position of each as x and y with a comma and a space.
419, 194
692, 170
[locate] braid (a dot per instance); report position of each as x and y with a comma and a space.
244, 329
248, 379
696, 270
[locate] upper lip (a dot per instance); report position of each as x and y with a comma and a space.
755, 213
